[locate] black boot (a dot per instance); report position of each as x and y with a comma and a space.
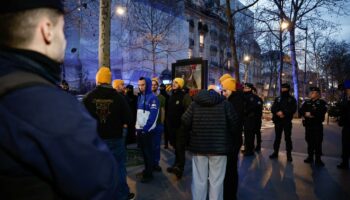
343, 165
318, 162
258, 148
309, 160
289, 157
274, 155
178, 172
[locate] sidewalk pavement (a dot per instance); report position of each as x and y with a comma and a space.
259, 178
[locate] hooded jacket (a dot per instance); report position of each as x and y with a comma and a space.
110, 109
212, 123
49, 146
147, 110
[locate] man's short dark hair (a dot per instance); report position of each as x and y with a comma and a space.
142, 78
17, 29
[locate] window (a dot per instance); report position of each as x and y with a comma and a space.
190, 53
201, 40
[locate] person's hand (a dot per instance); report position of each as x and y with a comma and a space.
308, 114
280, 114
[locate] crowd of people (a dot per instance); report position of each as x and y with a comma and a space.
54, 147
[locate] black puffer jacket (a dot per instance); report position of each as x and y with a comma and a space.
212, 122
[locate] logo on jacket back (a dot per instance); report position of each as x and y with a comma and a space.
102, 108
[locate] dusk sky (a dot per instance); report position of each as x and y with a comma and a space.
344, 22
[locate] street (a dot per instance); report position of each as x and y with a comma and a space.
260, 177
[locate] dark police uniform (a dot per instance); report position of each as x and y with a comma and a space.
257, 128
344, 121
313, 126
252, 110
286, 104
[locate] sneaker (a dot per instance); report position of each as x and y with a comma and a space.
343, 166
289, 157
131, 196
178, 172
274, 155
157, 168
309, 160
146, 179
319, 163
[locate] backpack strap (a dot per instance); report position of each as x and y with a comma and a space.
19, 79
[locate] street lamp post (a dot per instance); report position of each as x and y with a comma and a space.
283, 25
246, 61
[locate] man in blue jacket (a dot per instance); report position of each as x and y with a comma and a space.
49, 147
146, 122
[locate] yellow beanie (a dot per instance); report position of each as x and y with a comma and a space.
224, 77
117, 82
156, 80
104, 75
229, 84
180, 81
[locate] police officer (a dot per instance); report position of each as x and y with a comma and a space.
344, 121
313, 113
252, 108
283, 109
257, 129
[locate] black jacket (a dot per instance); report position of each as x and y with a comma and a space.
287, 104
317, 109
344, 119
177, 105
237, 101
212, 123
49, 146
110, 109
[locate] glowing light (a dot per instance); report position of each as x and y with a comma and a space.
120, 10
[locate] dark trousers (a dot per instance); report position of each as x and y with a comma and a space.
249, 140
231, 177
314, 138
257, 133
146, 144
346, 145
166, 135
179, 142
286, 127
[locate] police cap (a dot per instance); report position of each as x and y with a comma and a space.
12, 6
250, 85
285, 85
314, 89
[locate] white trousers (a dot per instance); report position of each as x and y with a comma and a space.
206, 168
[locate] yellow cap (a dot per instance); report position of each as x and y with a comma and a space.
229, 84
156, 80
224, 77
117, 83
180, 81
104, 75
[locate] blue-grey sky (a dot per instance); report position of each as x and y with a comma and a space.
343, 21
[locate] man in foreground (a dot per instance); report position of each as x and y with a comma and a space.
49, 147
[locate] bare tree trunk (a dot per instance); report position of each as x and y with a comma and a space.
270, 82
104, 34
232, 30
153, 59
295, 67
